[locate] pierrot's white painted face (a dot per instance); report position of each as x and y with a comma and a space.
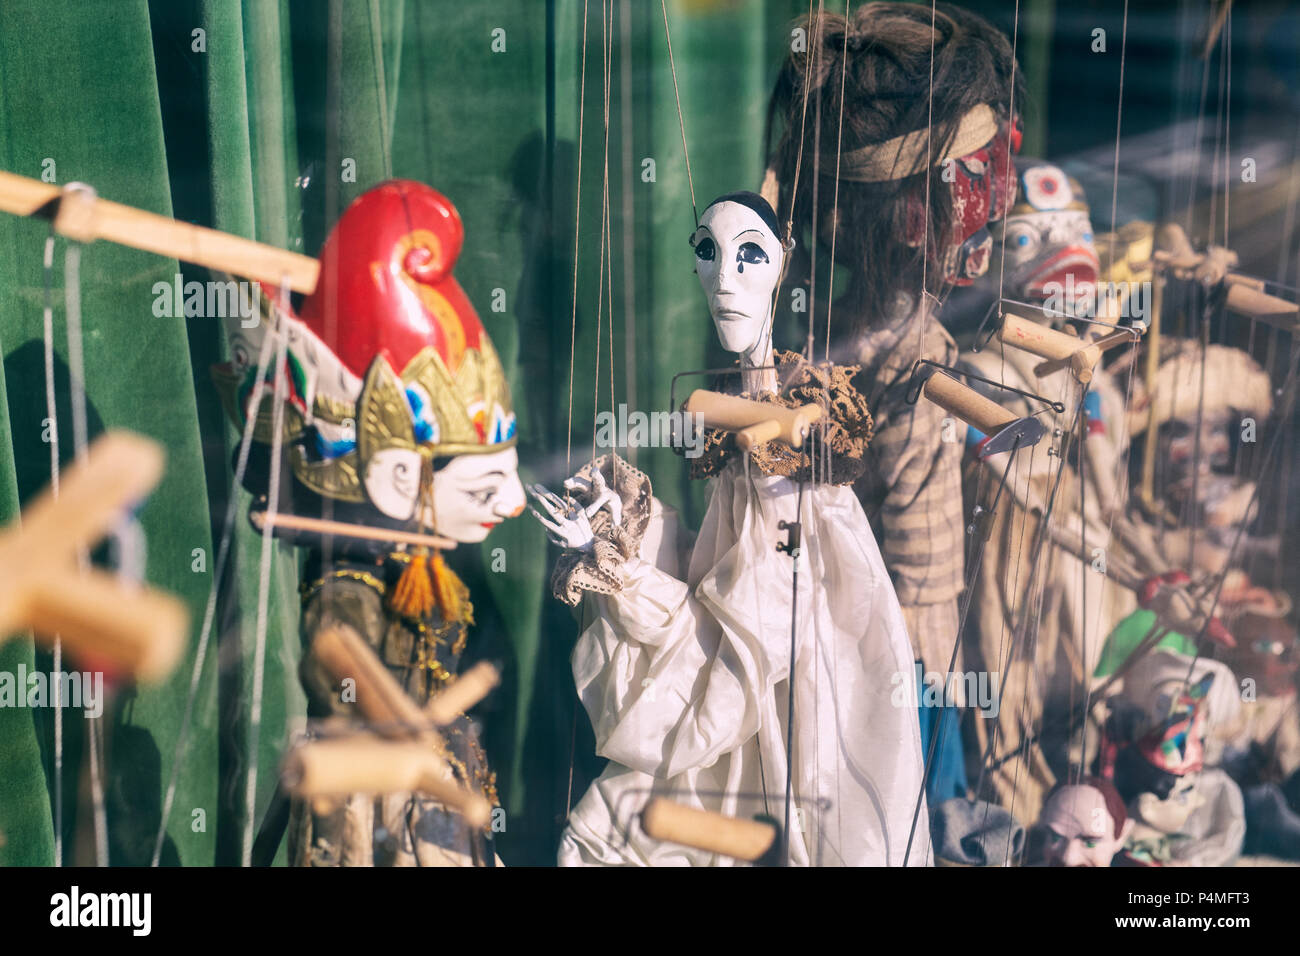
738, 259
472, 494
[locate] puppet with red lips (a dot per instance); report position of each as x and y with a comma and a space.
1046, 239
397, 415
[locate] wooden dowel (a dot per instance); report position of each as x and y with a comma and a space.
118, 471
341, 530
1236, 278
733, 413
369, 765
966, 403
343, 653
149, 232
1260, 305
1085, 359
102, 622
1037, 339
747, 840
747, 438
463, 693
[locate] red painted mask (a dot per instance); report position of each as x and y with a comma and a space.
984, 185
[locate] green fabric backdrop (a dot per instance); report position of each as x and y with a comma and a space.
253, 134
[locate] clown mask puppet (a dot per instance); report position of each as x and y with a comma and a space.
1086, 825
1046, 242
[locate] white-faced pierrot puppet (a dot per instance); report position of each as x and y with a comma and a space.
684, 670
397, 416
1186, 811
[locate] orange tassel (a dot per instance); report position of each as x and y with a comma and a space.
413, 595
451, 593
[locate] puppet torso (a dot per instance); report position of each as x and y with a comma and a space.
423, 655
685, 679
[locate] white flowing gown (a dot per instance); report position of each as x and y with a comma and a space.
685, 682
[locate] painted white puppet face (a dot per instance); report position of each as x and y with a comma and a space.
738, 259
1080, 830
472, 494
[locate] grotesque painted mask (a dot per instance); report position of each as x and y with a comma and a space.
1081, 824
738, 258
392, 376
1047, 238
983, 189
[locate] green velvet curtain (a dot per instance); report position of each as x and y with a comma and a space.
265, 118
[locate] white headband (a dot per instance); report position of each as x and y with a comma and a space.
905, 155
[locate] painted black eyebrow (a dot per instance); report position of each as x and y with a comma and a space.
743, 232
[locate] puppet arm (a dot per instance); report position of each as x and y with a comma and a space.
670, 675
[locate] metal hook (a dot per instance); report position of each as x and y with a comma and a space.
914, 388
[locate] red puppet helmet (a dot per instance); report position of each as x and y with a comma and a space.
388, 363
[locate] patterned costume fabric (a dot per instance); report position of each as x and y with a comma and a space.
911, 489
424, 656
843, 436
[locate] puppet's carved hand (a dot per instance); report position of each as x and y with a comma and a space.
566, 523
597, 495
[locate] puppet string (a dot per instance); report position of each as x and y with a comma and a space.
790, 675
577, 213
80, 441
1011, 129
1119, 123
929, 158
264, 571
218, 574
803, 121
51, 411
816, 52
606, 52
940, 724
1025, 633
681, 121
609, 239
835, 196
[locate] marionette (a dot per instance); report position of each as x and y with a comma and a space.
1085, 824
1185, 812
686, 672
1046, 269
398, 427
902, 188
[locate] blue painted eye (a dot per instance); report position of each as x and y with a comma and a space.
705, 250
752, 253
1022, 240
